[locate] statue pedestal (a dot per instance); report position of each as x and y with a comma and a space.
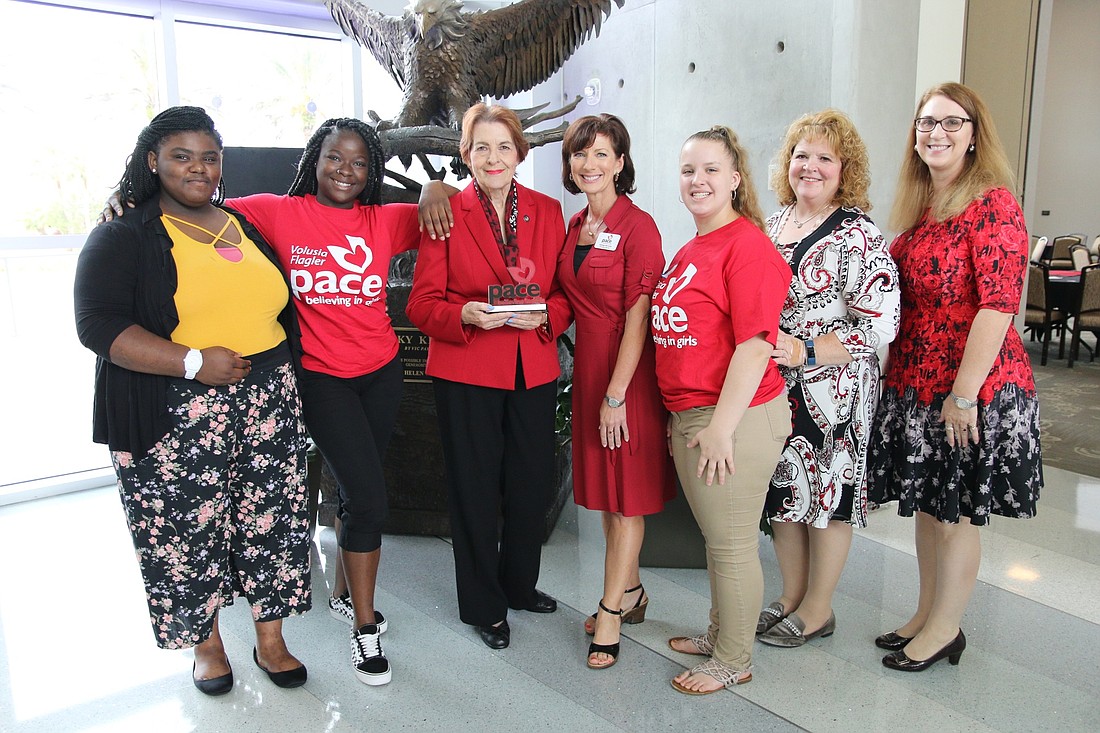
414, 470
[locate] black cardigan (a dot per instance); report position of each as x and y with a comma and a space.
126, 275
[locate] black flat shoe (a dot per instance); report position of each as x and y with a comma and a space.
901, 662
496, 637
291, 678
214, 686
543, 604
892, 641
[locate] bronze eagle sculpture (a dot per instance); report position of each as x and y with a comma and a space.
445, 60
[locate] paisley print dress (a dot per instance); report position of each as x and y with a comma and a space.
949, 270
845, 283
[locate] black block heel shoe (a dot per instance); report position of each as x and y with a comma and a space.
611, 650
892, 641
633, 615
953, 651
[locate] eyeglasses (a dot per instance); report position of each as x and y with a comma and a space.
949, 124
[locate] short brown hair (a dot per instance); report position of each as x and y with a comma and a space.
582, 133
836, 130
482, 112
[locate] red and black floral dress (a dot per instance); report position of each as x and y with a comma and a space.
948, 271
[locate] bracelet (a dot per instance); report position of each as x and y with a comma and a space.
811, 355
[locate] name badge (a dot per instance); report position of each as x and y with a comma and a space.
607, 241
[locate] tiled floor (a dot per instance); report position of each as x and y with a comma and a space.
77, 652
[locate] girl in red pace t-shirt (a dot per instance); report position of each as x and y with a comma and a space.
715, 318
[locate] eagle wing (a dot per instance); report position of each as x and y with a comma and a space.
387, 37
516, 47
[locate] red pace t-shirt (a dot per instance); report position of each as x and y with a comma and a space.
721, 289
338, 261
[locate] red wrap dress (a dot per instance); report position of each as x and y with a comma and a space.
638, 478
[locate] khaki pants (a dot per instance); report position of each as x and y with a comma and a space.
729, 517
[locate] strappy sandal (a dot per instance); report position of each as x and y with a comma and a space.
635, 615
611, 650
770, 616
704, 647
728, 676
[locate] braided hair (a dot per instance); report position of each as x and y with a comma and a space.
306, 180
138, 184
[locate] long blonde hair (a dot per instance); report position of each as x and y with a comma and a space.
985, 168
744, 198
836, 130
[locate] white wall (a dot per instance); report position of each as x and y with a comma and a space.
1065, 147
857, 55
940, 43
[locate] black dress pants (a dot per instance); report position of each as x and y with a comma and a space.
498, 447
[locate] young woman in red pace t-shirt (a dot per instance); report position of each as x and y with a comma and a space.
715, 320
335, 242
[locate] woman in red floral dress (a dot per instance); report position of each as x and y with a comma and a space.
958, 421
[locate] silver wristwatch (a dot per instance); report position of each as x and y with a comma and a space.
961, 402
192, 363
612, 402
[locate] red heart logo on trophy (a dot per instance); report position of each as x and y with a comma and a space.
525, 272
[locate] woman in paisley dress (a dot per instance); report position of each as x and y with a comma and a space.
842, 307
957, 429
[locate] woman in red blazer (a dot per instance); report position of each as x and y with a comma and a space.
495, 370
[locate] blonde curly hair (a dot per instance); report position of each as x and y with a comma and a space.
835, 129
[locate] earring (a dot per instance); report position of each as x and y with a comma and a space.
971, 149
681, 199
735, 194
616, 178
154, 171
571, 177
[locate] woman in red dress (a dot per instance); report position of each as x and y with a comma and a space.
958, 422
608, 269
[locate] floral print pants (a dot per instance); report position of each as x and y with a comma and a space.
219, 506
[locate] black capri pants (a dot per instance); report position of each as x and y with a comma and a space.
351, 420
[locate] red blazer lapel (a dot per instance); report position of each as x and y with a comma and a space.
479, 231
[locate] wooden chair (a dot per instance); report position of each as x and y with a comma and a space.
1060, 258
1088, 312
1040, 317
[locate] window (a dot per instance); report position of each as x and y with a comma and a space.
73, 111
262, 89
76, 86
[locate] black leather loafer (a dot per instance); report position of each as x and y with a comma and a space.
496, 637
291, 678
892, 641
543, 604
214, 686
